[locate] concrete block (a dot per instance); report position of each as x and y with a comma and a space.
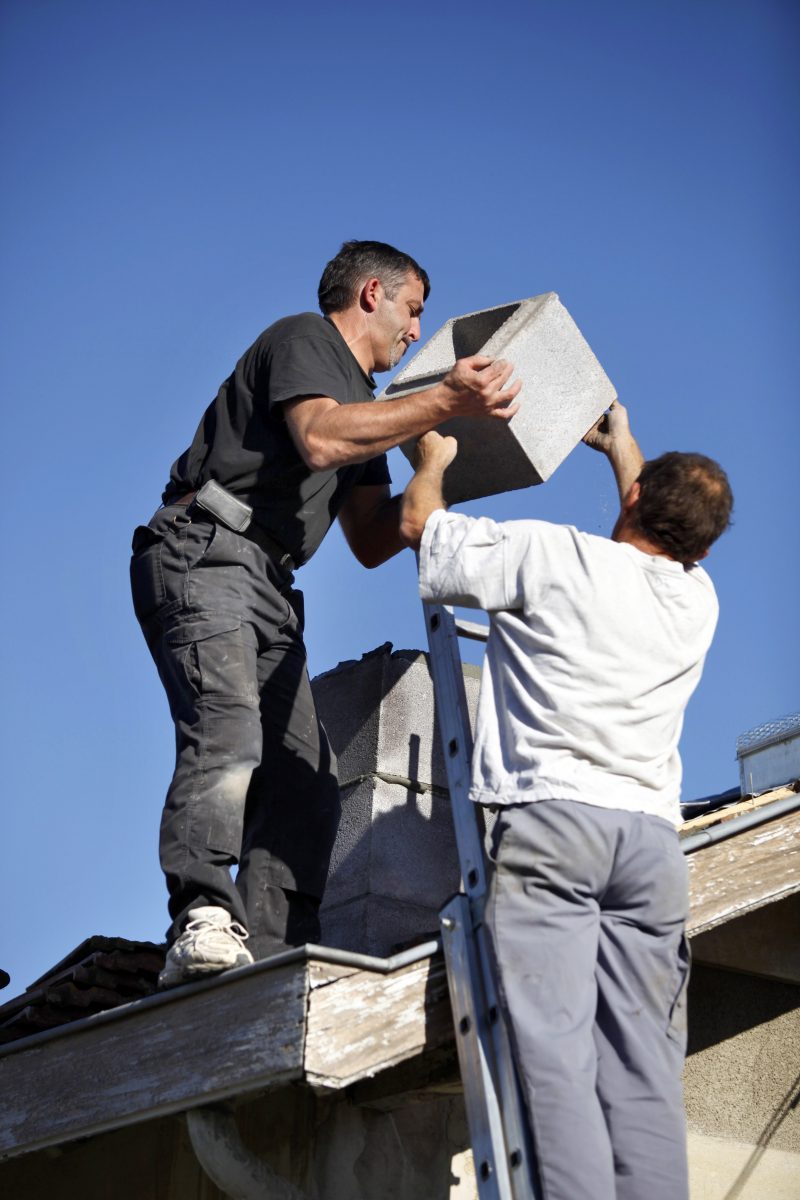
564, 391
394, 863
394, 866
349, 870
394, 842
378, 713
376, 925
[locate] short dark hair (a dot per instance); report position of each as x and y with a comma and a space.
685, 503
359, 261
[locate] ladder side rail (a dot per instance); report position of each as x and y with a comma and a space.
485, 1057
475, 1051
519, 1145
456, 737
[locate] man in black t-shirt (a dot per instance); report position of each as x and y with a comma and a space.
292, 441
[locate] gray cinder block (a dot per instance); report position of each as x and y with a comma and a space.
377, 925
394, 842
394, 863
564, 391
378, 712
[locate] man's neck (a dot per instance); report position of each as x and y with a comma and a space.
649, 548
625, 531
352, 327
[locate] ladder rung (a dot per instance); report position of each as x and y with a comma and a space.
472, 629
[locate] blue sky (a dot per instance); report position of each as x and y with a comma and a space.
176, 175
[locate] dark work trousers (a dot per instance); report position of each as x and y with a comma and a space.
254, 781
586, 916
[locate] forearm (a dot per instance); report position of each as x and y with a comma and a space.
330, 435
342, 434
379, 539
626, 461
422, 497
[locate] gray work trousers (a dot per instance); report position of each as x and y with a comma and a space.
586, 916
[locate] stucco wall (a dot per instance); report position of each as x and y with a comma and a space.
743, 1068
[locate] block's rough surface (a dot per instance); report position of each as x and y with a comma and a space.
378, 712
394, 864
564, 391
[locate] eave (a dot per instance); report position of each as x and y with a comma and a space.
313, 1016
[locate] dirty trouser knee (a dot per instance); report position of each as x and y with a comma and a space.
211, 607
586, 915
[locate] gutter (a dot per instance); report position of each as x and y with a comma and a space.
736, 825
213, 1132
325, 954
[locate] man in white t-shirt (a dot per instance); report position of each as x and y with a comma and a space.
595, 647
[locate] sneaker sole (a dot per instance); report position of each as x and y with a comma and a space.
171, 976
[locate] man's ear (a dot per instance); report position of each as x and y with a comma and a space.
371, 292
631, 497
700, 557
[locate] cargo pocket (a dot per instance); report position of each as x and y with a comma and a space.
147, 575
677, 1015
217, 661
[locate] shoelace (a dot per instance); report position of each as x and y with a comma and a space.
238, 932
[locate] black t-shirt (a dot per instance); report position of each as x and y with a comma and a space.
243, 443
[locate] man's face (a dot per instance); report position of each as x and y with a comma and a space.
397, 323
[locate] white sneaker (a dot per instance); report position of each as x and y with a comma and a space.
211, 941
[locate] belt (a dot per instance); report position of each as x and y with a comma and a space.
255, 532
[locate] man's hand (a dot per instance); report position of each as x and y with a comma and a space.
475, 387
612, 427
612, 436
423, 495
434, 452
329, 435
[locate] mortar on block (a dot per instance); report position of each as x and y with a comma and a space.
564, 391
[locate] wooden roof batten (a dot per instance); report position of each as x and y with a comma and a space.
313, 1015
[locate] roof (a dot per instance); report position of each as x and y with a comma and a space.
99, 974
314, 1016
324, 1018
757, 865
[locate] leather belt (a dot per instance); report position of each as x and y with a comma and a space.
255, 532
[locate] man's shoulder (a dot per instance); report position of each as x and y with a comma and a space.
528, 529
539, 531
700, 578
307, 324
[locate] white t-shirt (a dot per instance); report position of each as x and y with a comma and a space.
593, 653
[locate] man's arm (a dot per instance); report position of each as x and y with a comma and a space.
378, 525
370, 521
612, 436
424, 493
469, 561
330, 435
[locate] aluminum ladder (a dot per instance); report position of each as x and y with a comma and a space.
501, 1145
